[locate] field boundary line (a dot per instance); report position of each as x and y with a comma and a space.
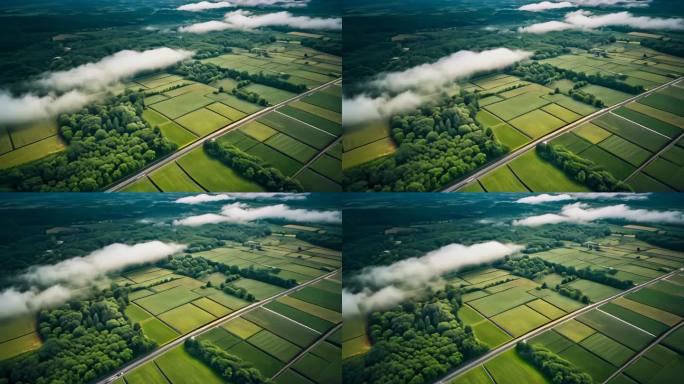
135, 363
305, 123
489, 374
628, 323
541, 329
292, 320
308, 349
643, 351
318, 155
189, 176
654, 158
642, 126
507, 158
490, 320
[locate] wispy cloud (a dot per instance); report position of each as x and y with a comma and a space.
548, 198
545, 5
207, 5
582, 213
385, 286
241, 212
206, 198
586, 20
246, 20
30, 107
204, 5
549, 5
363, 107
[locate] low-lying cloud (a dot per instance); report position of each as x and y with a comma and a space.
403, 91
585, 20
549, 5
246, 20
582, 213
30, 107
241, 212
208, 5
51, 285
206, 198
386, 286
114, 68
548, 198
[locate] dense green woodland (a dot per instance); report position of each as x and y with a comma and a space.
231, 368
415, 342
83, 340
106, 141
554, 367
437, 144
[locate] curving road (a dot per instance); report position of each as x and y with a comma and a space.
165, 348
212, 136
497, 351
520, 151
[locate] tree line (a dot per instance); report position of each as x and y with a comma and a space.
437, 144
230, 367
251, 167
106, 141
554, 367
415, 342
580, 169
82, 340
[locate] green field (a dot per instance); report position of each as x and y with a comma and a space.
146, 374
594, 291
564, 114
476, 375
516, 106
506, 134
655, 124
613, 164
312, 294
607, 349
171, 178
29, 133
329, 126
616, 329
158, 331
282, 326
323, 313
663, 102
181, 105
546, 309
226, 111
241, 327
666, 172
258, 130
654, 313
141, 185
647, 324
502, 301
329, 167
510, 368
333, 116
203, 121
625, 150
537, 123
292, 147
272, 95
368, 152
285, 164
259, 289
302, 317
296, 129
163, 301
628, 130
597, 368
312, 181
212, 175
520, 320
31, 152
266, 364
607, 95
574, 330
186, 318
325, 100
660, 300
274, 345
592, 133
502, 179
176, 364
571, 142
541, 176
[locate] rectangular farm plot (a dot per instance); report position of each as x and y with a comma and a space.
667, 173
595, 291
220, 337
331, 127
502, 301
176, 364
141, 185
274, 345
607, 95
318, 311
607, 349
186, 317
520, 320
320, 297
259, 289
596, 367
157, 331
661, 300
258, 130
546, 309
616, 329
659, 315
541, 176
171, 178
574, 330
641, 321
516, 106
325, 100
292, 147
31, 152
146, 374
241, 328
562, 113
241, 105
26, 134
510, 368
631, 131
163, 301
502, 179
571, 104
303, 132
282, 326
203, 121
663, 102
312, 181
226, 111
571, 142
212, 307
329, 167
655, 124
19, 345
212, 175
592, 133
537, 123
611, 163
272, 95
285, 164
181, 105
655, 113
508, 135
301, 317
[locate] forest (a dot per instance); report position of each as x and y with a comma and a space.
582, 170
251, 167
415, 342
437, 144
106, 141
83, 340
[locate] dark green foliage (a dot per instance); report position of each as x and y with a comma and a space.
238, 292
84, 340
332, 46
107, 141
324, 240
529, 267
663, 239
252, 97
673, 47
231, 368
582, 170
573, 293
603, 276
415, 342
436, 145
554, 367
251, 167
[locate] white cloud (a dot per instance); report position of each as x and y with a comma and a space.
406, 90
458, 65
114, 68
388, 285
204, 5
241, 212
81, 270
547, 198
29, 107
205, 198
545, 5
245, 20
581, 213
586, 20
14, 302
363, 108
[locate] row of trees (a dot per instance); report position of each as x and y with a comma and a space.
415, 342
83, 340
229, 367
580, 169
251, 167
250, 96
554, 367
437, 144
525, 266
106, 141
662, 239
573, 293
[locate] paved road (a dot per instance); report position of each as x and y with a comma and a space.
497, 351
196, 144
158, 352
520, 151
643, 351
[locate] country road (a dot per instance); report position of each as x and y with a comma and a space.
199, 142
497, 351
520, 151
158, 352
